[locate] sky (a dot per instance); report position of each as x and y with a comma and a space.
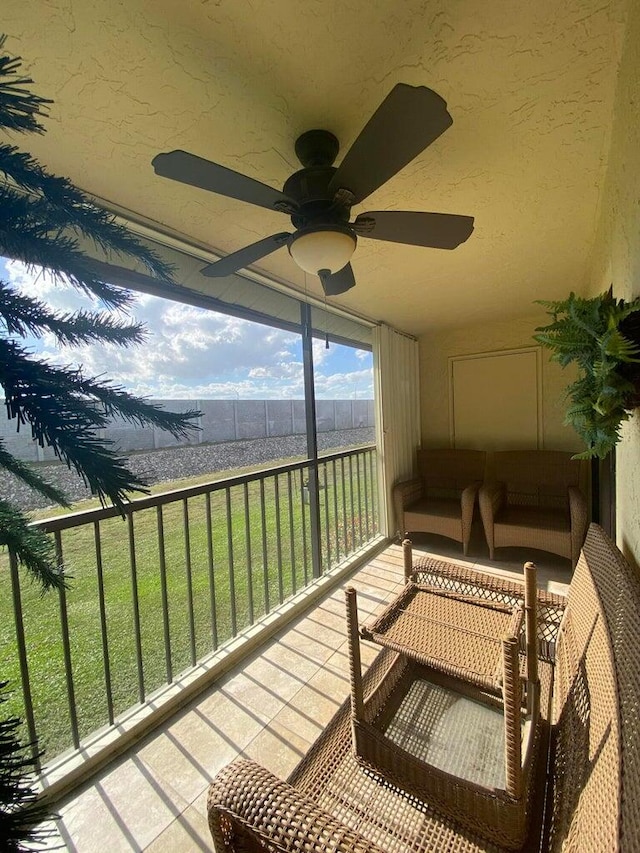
195, 354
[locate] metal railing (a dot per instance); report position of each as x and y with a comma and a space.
182, 573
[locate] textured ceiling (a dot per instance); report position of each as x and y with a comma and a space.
530, 88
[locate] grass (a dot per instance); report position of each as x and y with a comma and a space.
250, 576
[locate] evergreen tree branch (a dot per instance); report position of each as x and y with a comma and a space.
59, 201
59, 404
47, 399
30, 478
21, 810
33, 548
24, 315
63, 260
19, 107
136, 410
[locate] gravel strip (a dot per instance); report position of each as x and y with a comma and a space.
175, 463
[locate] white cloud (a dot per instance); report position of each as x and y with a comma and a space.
191, 353
353, 385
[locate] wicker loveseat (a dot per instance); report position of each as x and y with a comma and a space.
535, 500
442, 498
589, 796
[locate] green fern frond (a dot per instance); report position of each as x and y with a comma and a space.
586, 332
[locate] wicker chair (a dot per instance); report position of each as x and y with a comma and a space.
441, 499
535, 501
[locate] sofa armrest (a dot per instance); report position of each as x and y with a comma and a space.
579, 521
468, 497
467, 506
247, 802
406, 493
492, 498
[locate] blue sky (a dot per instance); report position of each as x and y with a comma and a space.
195, 354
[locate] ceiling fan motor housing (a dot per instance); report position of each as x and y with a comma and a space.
310, 189
317, 148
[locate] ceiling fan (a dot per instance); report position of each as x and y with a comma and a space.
319, 197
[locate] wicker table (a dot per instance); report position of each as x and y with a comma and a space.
453, 649
453, 633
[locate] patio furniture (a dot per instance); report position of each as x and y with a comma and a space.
535, 501
446, 721
586, 803
442, 498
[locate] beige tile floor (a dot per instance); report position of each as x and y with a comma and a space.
271, 708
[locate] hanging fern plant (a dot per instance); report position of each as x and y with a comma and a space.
594, 334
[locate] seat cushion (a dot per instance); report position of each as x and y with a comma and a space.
545, 518
434, 507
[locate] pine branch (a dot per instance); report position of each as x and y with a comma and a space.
47, 399
59, 406
30, 478
23, 315
59, 202
137, 410
33, 548
63, 260
21, 810
19, 107
32, 385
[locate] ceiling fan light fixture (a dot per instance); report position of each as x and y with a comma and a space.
322, 248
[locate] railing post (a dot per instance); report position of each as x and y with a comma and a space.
66, 645
162, 563
23, 660
135, 600
312, 438
103, 620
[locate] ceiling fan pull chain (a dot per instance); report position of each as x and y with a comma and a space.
326, 332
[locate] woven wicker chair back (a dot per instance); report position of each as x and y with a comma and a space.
451, 469
537, 477
597, 760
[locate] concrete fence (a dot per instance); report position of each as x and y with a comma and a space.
221, 420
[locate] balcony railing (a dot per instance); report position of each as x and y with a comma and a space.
153, 593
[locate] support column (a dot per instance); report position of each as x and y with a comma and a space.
312, 438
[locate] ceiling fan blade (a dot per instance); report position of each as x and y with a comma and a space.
408, 120
245, 257
435, 230
339, 282
189, 169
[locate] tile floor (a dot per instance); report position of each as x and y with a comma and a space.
271, 709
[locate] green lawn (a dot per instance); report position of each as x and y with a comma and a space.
279, 564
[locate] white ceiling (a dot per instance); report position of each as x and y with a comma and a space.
529, 85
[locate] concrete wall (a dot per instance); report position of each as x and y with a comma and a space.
617, 261
222, 420
437, 347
